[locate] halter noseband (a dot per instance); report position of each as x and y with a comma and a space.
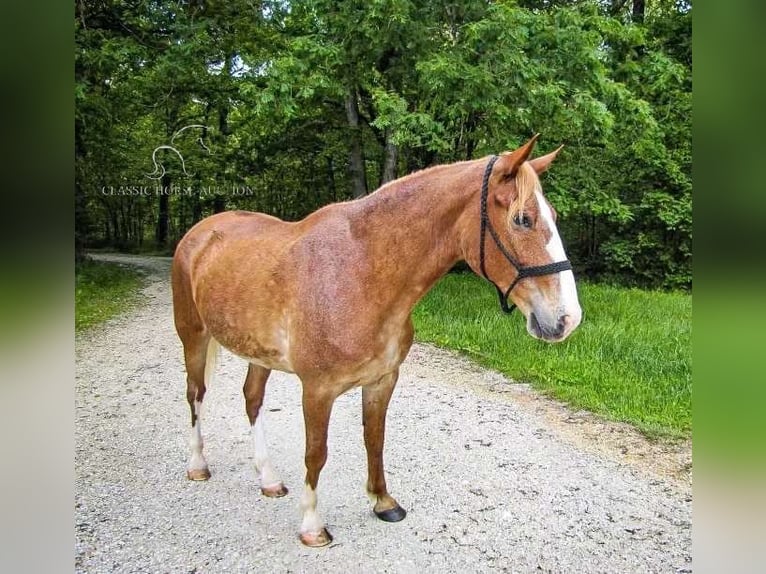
521, 270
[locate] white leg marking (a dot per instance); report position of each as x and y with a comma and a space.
197, 460
269, 477
568, 301
311, 523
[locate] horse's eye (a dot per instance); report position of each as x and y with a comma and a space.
522, 220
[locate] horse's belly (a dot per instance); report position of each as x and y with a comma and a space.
277, 363
254, 339
269, 354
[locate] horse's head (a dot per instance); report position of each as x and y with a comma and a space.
521, 251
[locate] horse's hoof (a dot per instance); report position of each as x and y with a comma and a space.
277, 491
394, 514
316, 539
198, 474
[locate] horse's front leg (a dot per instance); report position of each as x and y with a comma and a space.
375, 398
317, 407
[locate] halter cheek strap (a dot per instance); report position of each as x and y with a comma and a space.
522, 271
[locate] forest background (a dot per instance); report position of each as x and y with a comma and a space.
184, 109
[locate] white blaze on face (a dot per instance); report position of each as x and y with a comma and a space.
568, 302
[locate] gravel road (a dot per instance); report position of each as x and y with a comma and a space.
495, 477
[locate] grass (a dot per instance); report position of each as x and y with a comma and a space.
103, 290
630, 359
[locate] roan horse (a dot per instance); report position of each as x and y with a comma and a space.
329, 298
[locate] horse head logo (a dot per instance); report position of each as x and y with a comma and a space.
159, 168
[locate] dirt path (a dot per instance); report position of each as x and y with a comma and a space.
494, 476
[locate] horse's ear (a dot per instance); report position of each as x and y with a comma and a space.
540, 164
507, 165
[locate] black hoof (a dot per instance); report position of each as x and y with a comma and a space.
392, 514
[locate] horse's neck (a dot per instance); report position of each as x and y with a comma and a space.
417, 225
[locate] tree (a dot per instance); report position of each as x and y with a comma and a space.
301, 104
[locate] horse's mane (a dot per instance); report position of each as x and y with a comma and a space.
527, 183
415, 175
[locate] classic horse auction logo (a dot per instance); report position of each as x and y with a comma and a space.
179, 187
159, 167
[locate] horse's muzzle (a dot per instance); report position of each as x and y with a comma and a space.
553, 332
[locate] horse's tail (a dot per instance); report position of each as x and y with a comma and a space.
211, 360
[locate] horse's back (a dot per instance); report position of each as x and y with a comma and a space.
222, 226
203, 244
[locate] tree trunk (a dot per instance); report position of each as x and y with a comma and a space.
124, 214
115, 227
470, 134
639, 9
164, 211
389, 161
140, 224
111, 225
617, 7
219, 203
196, 208
356, 156
331, 179
223, 122
163, 215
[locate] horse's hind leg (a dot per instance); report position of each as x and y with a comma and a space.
375, 400
317, 407
200, 353
255, 386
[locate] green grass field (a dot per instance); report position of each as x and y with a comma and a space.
103, 290
630, 359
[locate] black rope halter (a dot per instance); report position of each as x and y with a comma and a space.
521, 270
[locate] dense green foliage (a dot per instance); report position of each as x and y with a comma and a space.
630, 360
303, 103
102, 290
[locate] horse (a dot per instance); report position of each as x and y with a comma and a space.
329, 298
